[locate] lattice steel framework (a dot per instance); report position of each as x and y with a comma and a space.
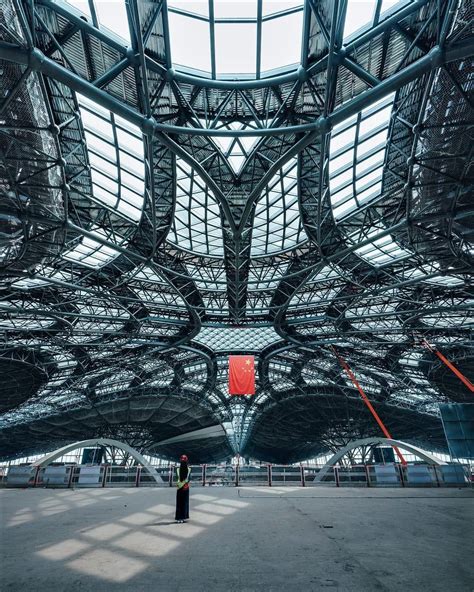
156, 217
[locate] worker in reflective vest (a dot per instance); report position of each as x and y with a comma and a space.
183, 476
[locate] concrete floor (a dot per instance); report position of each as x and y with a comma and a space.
265, 539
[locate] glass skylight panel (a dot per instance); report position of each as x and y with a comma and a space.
147, 274
130, 143
235, 9
130, 163
411, 358
235, 36
99, 163
322, 287
328, 272
455, 318
381, 250
224, 142
441, 280
368, 383
112, 15
236, 159
236, 150
208, 278
236, 48
281, 41
82, 5
277, 223
41, 278
369, 193
376, 120
344, 209
275, 6
342, 160
376, 318
98, 145
356, 170
92, 253
265, 277
315, 296
111, 162
197, 223
360, 14
104, 182
158, 298
23, 322
388, 4
446, 280
372, 162
118, 382
30, 283
342, 180
198, 7
97, 319
343, 138
237, 339
368, 180
190, 42
248, 142
100, 126
374, 142
25, 318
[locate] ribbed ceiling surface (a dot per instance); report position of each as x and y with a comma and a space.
291, 181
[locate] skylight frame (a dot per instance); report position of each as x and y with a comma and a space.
237, 339
116, 154
25, 319
206, 238
356, 160
114, 22
379, 10
277, 226
216, 22
92, 253
208, 278
380, 251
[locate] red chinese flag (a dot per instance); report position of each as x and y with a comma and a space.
241, 375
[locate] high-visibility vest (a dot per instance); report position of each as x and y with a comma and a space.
186, 481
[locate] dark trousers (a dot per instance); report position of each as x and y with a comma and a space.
182, 504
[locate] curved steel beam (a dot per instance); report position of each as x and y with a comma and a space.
49, 458
429, 458
301, 73
37, 61
215, 431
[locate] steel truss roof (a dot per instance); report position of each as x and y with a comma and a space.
155, 218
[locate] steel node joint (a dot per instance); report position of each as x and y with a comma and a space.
437, 56
36, 59
149, 127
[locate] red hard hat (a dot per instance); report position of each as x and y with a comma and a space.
183, 458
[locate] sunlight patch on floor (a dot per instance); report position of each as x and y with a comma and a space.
151, 545
116, 551
108, 565
22, 519
105, 532
63, 550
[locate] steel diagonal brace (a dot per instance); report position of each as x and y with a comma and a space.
355, 382
451, 366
